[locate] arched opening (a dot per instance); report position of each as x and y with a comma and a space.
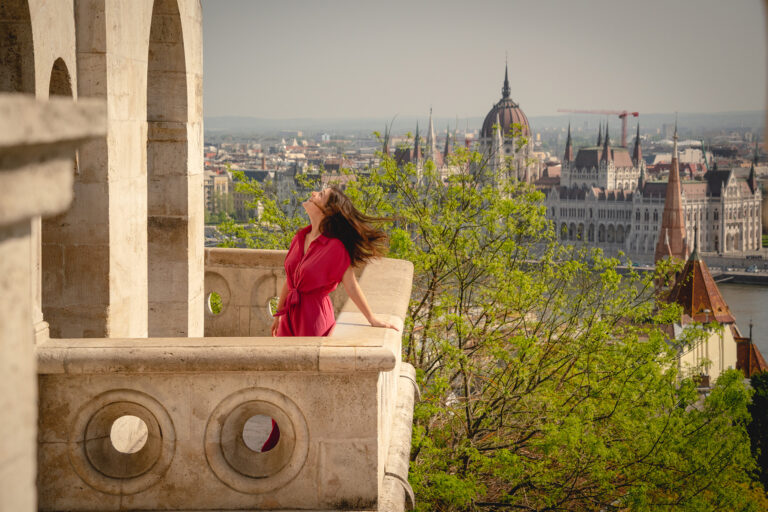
169, 249
601, 233
591, 233
61, 83
17, 59
611, 234
57, 272
620, 234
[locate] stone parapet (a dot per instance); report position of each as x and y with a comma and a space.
37, 146
339, 403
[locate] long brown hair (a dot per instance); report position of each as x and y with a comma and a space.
345, 222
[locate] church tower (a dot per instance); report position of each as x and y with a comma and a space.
672, 240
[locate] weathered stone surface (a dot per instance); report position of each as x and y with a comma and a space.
130, 245
36, 145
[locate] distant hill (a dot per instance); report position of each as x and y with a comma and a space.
747, 120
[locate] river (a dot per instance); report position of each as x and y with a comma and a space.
749, 302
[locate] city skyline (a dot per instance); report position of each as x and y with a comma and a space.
341, 59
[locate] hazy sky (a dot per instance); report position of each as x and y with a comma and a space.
358, 59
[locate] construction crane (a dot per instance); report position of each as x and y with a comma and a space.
623, 115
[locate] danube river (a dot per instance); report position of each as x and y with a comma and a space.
749, 302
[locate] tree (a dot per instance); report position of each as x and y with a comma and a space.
758, 428
548, 381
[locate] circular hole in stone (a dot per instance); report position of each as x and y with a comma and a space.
128, 434
261, 433
214, 303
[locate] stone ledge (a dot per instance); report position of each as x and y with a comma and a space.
369, 352
35, 123
247, 258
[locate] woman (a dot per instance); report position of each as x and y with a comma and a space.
320, 256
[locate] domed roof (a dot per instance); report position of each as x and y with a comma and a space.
508, 113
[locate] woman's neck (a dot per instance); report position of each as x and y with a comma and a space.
315, 221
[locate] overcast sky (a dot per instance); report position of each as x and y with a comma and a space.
359, 59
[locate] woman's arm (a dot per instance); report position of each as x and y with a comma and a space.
356, 294
280, 305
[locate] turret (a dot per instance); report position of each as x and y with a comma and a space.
431, 142
417, 146
637, 153
568, 157
607, 155
447, 149
752, 179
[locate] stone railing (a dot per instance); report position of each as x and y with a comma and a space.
341, 404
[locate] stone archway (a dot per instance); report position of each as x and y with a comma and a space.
58, 250
17, 55
168, 224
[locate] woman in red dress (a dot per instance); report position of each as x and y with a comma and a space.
321, 256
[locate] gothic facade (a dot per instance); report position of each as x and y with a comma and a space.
605, 200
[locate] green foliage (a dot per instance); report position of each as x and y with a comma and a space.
548, 383
215, 303
758, 428
547, 380
279, 219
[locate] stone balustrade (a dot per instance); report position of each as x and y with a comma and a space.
338, 403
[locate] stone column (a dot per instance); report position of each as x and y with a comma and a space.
37, 141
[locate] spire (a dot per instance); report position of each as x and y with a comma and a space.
505, 90
431, 142
447, 150
674, 142
568, 147
600, 135
417, 146
752, 179
385, 145
607, 153
672, 219
637, 154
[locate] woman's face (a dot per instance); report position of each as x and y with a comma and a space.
317, 201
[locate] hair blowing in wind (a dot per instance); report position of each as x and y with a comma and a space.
345, 222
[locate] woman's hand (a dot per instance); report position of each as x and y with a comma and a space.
375, 322
275, 325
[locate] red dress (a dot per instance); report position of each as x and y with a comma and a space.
311, 277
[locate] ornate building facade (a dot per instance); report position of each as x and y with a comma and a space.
605, 200
505, 139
